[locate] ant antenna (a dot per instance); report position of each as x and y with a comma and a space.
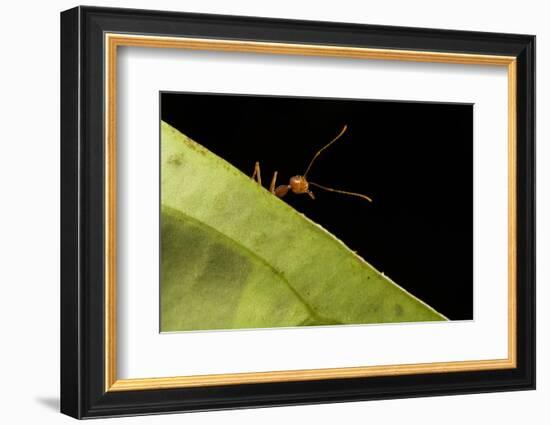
340, 191
324, 147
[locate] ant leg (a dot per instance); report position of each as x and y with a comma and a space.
311, 195
257, 174
273, 181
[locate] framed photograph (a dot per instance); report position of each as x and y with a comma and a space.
261, 212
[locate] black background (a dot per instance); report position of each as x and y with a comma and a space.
414, 159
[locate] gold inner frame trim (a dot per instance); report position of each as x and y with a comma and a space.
113, 41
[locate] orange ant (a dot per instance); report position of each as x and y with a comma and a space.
299, 184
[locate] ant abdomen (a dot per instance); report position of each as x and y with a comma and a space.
281, 190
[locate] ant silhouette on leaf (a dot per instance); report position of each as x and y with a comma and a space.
299, 184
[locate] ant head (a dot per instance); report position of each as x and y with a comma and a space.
299, 184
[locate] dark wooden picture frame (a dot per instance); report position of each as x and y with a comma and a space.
89, 40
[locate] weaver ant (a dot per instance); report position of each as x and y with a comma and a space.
299, 184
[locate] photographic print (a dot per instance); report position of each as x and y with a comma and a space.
301, 211
313, 197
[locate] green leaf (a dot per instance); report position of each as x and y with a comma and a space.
235, 256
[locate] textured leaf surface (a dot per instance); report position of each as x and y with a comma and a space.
235, 256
